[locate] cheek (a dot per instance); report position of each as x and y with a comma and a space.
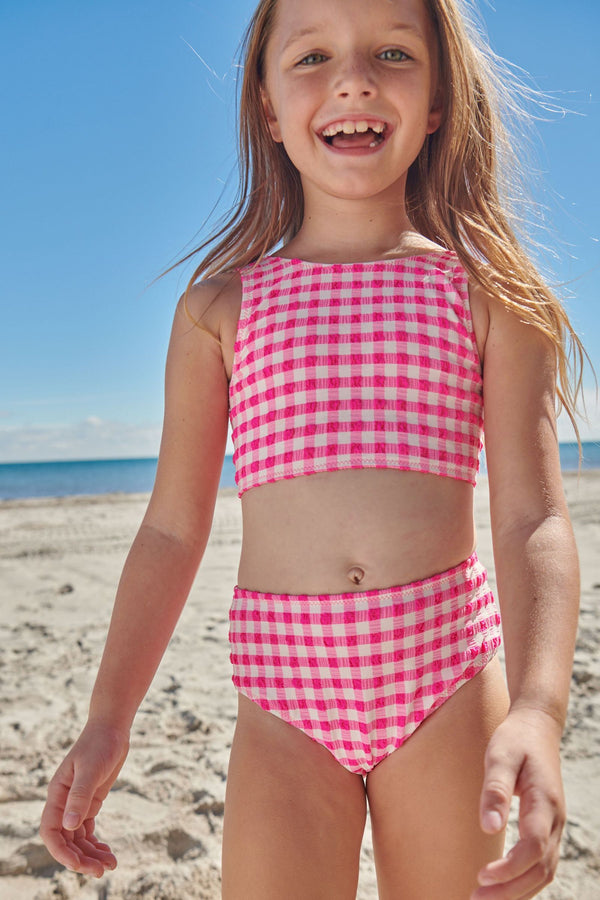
423, 101
296, 111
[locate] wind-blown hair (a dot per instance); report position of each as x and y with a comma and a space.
461, 190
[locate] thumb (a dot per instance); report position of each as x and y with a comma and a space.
499, 782
79, 800
96, 760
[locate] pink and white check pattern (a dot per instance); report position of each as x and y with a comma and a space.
359, 672
361, 365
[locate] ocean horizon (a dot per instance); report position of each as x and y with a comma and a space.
66, 478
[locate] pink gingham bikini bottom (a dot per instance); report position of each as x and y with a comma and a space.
359, 672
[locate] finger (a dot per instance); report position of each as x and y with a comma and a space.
500, 777
60, 848
96, 805
527, 885
89, 845
90, 860
525, 855
542, 815
90, 826
530, 862
85, 864
102, 846
91, 856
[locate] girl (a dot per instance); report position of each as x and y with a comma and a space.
357, 364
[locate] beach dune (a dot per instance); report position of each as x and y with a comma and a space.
60, 561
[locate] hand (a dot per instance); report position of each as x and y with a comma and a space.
75, 796
523, 759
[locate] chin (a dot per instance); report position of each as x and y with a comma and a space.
355, 190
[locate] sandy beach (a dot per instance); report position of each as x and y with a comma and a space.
59, 565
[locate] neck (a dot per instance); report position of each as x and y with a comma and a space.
335, 230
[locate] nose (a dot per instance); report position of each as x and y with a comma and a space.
354, 78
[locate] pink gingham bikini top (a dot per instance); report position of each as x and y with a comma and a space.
357, 365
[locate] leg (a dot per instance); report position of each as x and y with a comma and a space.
294, 817
424, 798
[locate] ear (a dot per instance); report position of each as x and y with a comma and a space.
434, 120
270, 116
436, 112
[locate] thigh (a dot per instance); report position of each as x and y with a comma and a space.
424, 798
294, 817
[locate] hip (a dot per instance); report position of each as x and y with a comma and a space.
453, 612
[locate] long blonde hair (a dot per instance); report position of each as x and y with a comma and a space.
458, 193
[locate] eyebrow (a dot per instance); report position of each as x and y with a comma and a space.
403, 26
315, 29
303, 32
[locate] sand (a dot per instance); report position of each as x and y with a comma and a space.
59, 564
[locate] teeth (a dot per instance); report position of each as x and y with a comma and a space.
348, 127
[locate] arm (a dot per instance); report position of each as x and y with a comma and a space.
538, 588
167, 550
156, 579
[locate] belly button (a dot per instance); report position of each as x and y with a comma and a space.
356, 574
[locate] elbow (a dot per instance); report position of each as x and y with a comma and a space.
523, 527
549, 538
172, 541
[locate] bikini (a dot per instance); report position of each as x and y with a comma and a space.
348, 366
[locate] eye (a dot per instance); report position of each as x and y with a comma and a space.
312, 59
393, 54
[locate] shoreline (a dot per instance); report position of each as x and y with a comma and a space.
93, 499
95, 477
60, 561
568, 475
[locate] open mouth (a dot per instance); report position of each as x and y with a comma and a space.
347, 134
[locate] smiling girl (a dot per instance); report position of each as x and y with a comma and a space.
362, 313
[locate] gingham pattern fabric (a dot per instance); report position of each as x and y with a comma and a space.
361, 365
359, 672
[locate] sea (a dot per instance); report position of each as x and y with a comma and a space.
134, 476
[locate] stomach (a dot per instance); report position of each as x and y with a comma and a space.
353, 530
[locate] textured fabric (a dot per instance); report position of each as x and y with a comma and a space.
359, 672
361, 365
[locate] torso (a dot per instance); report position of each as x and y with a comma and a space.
356, 529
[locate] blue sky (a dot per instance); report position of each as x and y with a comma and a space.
116, 140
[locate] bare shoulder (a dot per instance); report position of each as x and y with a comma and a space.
213, 303
501, 330
209, 311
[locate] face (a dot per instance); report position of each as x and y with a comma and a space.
350, 90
